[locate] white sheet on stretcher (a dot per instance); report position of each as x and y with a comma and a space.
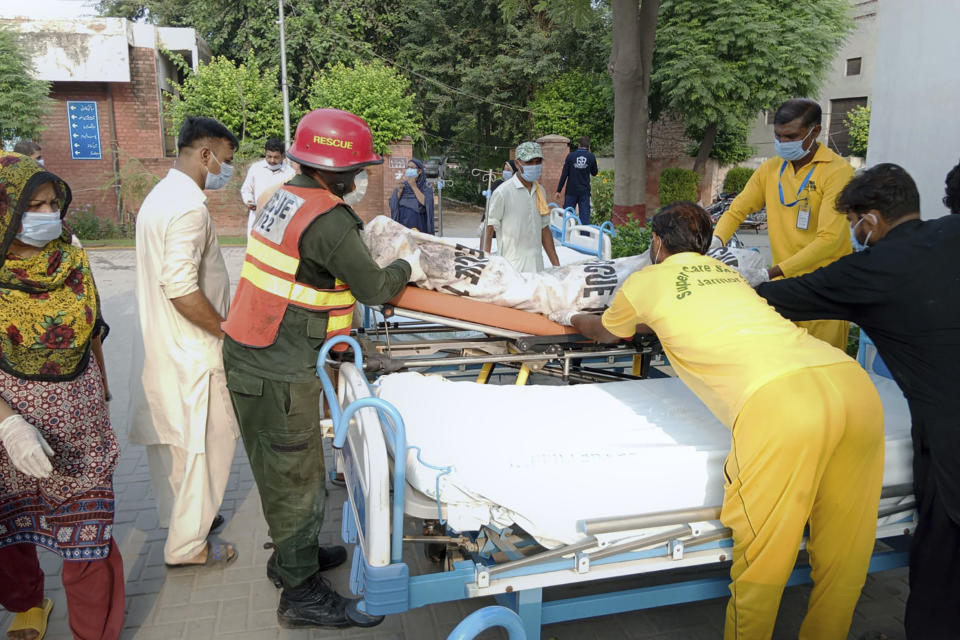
545, 457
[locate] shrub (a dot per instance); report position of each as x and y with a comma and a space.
736, 179
858, 122
631, 239
87, 226
678, 185
602, 197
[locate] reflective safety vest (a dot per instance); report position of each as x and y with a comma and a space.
268, 281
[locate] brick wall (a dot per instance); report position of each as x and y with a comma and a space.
667, 139
555, 150
129, 117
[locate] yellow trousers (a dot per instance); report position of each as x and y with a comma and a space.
833, 332
806, 448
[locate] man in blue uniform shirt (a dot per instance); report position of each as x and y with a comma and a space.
577, 169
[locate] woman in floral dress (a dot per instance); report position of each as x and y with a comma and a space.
57, 449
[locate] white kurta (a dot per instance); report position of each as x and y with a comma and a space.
513, 212
260, 178
177, 254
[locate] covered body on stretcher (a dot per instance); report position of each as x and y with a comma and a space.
563, 464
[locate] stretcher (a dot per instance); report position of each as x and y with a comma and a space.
460, 336
628, 557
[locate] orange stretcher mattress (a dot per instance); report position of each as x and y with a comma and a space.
486, 313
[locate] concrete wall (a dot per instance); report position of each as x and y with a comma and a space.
82, 50
916, 96
862, 43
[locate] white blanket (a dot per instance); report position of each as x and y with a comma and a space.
463, 271
545, 457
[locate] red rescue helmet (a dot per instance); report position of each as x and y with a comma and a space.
333, 140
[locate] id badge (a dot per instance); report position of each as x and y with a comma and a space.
803, 219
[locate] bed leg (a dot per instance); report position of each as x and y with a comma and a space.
528, 605
485, 372
523, 376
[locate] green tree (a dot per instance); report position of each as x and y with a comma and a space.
373, 91
245, 100
719, 63
23, 99
858, 123
574, 105
730, 145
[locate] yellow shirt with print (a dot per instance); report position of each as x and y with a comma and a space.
722, 339
826, 236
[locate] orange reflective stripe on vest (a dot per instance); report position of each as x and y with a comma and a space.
268, 283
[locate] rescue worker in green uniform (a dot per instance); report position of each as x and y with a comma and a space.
305, 267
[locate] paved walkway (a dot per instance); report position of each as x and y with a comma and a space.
239, 602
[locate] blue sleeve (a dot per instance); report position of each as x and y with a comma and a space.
394, 204
563, 174
428, 205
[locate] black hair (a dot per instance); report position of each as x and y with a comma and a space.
195, 128
952, 197
26, 147
274, 144
584, 142
799, 108
683, 226
886, 188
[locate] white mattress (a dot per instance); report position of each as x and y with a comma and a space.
545, 457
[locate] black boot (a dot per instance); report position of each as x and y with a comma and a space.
328, 558
312, 604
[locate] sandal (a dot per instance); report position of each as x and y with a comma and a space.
34, 619
218, 555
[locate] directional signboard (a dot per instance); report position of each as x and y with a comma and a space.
84, 129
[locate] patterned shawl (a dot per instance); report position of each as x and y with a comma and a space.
49, 309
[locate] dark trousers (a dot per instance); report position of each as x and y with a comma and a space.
933, 606
280, 426
581, 202
94, 589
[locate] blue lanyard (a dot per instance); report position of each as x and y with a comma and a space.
803, 185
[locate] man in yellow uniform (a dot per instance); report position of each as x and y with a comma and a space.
806, 424
799, 189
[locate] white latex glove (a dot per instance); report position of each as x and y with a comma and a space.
757, 278
716, 243
563, 317
27, 449
417, 276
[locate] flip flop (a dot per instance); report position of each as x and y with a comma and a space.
33, 619
218, 555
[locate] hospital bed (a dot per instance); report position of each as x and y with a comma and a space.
458, 336
612, 490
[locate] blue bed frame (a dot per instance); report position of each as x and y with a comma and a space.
392, 589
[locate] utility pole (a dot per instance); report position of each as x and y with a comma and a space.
283, 81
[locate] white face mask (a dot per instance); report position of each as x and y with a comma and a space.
40, 227
360, 182
275, 167
40, 162
218, 180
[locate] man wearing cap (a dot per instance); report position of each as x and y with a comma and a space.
305, 267
519, 215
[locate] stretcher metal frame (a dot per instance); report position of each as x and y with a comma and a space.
368, 433
568, 357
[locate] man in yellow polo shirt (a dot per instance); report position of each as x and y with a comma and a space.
806, 424
799, 188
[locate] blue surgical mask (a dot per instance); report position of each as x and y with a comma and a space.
792, 150
218, 180
40, 227
410, 172
507, 174
857, 245
532, 172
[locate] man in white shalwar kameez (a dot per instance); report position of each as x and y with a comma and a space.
181, 407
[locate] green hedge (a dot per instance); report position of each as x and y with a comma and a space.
678, 185
87, 226
601, 196
736, 179
631, 239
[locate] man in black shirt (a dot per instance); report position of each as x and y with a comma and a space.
903, 290
577, 169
